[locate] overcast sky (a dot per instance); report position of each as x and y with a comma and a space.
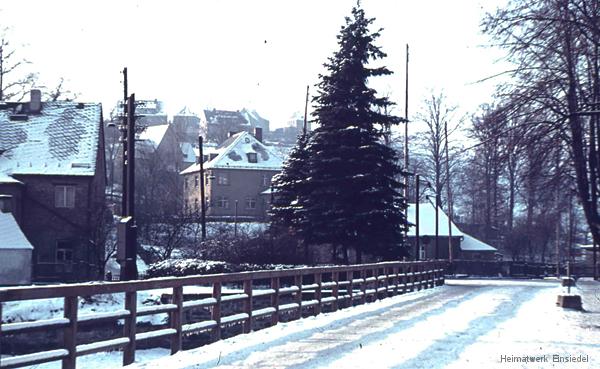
228, 54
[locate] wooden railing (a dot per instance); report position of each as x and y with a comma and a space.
306, 290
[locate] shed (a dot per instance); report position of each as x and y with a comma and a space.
15, 253
472, 248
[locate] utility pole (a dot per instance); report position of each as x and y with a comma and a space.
305, 128
449, 195
2, 70
127, 229
437, 225
417, 236
406, 129
124, 141
202, 196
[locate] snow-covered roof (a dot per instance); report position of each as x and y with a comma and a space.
233, 154
11, 236
5, 178
154, 135
62, 139
470, 243
189, 152
427, 221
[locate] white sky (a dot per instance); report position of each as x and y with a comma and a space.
212, 53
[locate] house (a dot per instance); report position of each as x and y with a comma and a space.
218, 124
15, 251
187, 126
52, 181
464, 246
237, 174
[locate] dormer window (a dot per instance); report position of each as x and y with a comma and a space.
252, 158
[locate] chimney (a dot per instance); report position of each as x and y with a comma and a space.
258, 134
35, 106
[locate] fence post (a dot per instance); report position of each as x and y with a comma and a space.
70, 332
363, 286
298, 282
275, 300
216, 311
396, 271
334, 290
176, 319
350, 288
248, 305
129, 327
386, 271
318, 293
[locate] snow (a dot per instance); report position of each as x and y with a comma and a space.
468, 324
427, 221
234, 155
154, 135
11, 236
470, 243
61, 140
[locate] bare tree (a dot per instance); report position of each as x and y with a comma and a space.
436, 114
554, 47
15, 82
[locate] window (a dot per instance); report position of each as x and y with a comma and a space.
252, 157
265, 180
5, 203
185, 183
223, 179
196, 204
196, 181
64, 252
250, 203
64, 196
222, 202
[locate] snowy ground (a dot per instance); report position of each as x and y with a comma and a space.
466, 324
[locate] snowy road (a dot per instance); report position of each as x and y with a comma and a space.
469, 324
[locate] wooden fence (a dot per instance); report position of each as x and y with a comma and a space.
308, 289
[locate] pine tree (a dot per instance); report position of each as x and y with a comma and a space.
353, 199
287, 188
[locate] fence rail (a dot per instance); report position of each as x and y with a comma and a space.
309, 288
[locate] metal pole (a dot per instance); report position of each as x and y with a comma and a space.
437, 226
202, 195
417, 236
449, 196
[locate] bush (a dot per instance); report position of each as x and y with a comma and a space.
186, 267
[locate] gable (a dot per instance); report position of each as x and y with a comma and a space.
246, 152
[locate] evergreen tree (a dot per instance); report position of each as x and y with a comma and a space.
353, 198
287, 188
